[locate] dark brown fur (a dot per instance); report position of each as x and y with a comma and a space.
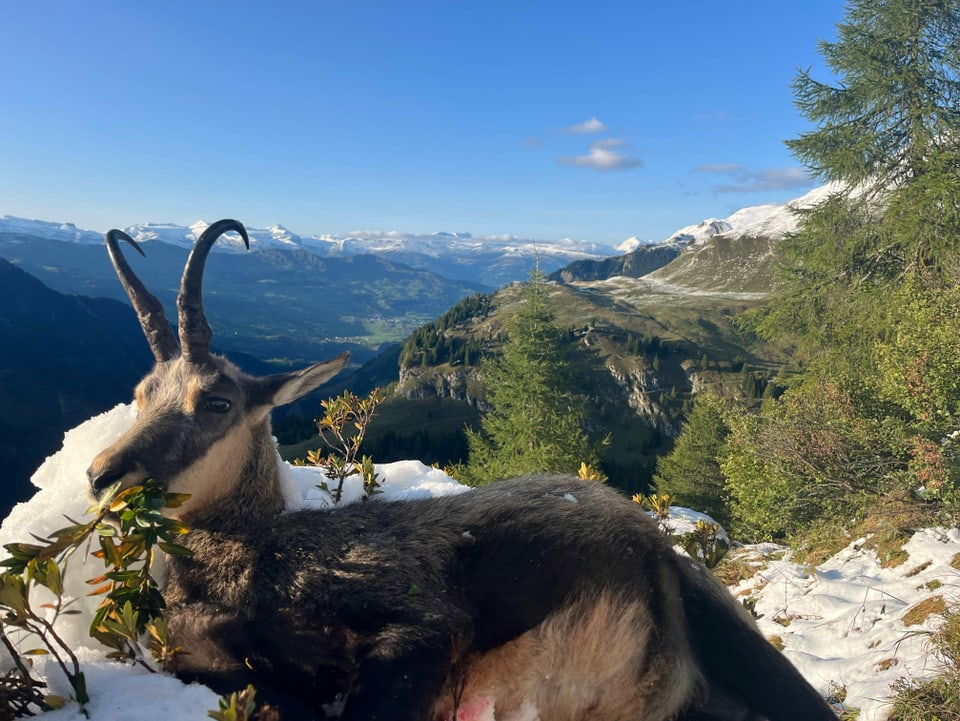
545, 595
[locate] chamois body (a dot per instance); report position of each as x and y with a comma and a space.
542, 597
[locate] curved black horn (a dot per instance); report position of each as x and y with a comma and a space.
195, 332
148, 308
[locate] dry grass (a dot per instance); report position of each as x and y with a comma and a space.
938, 698
732, 571
885, 664
921, 611
887, 525
918, 569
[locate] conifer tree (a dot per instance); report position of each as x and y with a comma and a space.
864, 276
536, 420
888, 132
690, 474
897, 102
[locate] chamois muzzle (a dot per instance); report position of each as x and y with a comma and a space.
101, 480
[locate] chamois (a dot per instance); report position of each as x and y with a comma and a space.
542, 597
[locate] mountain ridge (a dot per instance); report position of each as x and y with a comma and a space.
488, 260
274, 304
676, 258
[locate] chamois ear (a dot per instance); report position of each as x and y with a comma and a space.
283, 388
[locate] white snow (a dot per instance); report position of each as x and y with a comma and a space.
841, 622
47, 229
434, 245
771, 220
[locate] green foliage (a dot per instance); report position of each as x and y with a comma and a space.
132, 603
808, 455
868, 284
129, 527
918, 374
690, 474
896, 101
823, 270
242, 706
888, 133
536, 421
919, 362
343, 427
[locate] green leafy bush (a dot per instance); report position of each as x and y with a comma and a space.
343, 427
807, 456
129, 527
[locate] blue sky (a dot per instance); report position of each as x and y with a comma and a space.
589, 120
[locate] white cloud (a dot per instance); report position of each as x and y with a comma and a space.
746, 180
587, 127
603, 156
609, 144
719, 168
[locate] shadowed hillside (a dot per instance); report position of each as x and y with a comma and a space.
62, 359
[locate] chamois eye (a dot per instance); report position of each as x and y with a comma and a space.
215, 404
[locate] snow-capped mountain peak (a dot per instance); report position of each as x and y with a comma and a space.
492, 260
630, 244
771, 220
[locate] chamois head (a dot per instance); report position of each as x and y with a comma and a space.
203, 426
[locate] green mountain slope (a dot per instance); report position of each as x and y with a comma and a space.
643, 347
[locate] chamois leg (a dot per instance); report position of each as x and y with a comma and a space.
401, 677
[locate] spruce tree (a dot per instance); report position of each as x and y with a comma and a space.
690, 474
536, 421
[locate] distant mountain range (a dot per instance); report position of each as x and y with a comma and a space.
490, 260
295, 299
283, 304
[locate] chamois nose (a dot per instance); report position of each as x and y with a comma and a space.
102, 479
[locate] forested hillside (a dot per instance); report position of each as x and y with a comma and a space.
638, 353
